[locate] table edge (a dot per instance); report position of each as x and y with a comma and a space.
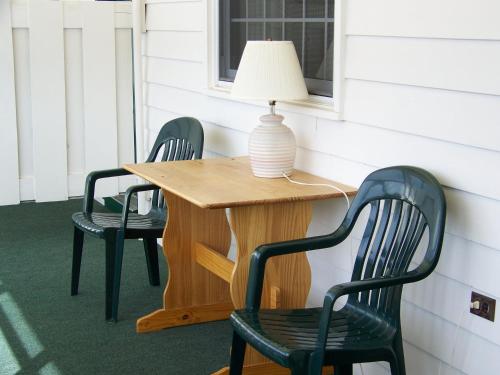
333, 195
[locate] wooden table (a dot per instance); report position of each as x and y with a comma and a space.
203, 284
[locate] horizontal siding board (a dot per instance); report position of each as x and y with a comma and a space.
9, 188
178, 45
425, 330
479, 224
447, 299
418, 361
442, 19
456, 166
219, 139
184, 16
215, 109
461, 65
332, 167
48, 105
470, 263
475, 355
460, 117
176, 73
473, 217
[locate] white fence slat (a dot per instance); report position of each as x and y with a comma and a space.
9, 188
72, 15
20, 38
124, 100
74, 112
48, 100
99, 92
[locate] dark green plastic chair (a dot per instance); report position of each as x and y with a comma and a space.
179, 139
403, 203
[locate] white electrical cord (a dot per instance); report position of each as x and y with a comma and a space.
330, 186
348, 206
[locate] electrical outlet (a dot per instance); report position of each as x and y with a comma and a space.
482, 306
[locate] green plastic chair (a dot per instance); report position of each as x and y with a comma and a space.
180, 139
403, 202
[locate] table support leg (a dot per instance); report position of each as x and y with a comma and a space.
288, 278
193, 294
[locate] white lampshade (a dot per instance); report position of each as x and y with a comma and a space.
269, 70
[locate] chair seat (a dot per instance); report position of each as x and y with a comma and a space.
98, 223
297, 330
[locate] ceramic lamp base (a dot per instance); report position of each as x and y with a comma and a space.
272, 148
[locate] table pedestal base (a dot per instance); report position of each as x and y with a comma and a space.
167, 318
267, 369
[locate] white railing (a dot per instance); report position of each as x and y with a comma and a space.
66, 102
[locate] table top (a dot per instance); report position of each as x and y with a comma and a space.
229, 182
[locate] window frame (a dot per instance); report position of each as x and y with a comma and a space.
313, 84
316, 105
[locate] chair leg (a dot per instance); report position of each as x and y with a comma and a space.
398, 361
77, 260
300, 369
117, 274
299, 365
237, 355
151, 252
110, 273
343, 369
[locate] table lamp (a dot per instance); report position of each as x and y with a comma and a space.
270, 70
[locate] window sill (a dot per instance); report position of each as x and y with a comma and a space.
321, 108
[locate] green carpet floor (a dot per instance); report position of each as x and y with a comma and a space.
43, 330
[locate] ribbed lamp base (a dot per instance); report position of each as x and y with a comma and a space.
272, 148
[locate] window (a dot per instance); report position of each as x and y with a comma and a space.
308, 23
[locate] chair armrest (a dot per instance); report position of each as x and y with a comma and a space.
264, 252
337, 291
92, 177
128, 196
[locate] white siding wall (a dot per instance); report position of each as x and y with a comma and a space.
422, 87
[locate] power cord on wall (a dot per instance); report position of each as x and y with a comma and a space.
348, 206
327, 185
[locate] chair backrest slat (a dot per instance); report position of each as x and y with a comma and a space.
387, 248
366, 240
412, 202
178, 139
376, 246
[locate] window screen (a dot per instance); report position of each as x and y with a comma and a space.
308, 23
